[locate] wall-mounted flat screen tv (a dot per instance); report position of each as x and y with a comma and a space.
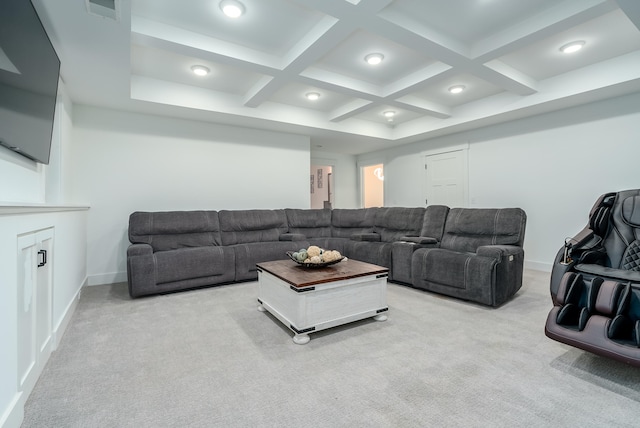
29, 70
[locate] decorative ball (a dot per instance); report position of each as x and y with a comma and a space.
301, 256
313, 251
316, 259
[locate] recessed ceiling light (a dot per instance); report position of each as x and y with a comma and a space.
312, 96
200, 70
572, 47
374, 58
456, 89
232, 8
389, 114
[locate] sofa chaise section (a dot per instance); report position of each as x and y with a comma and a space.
176, 250
479, 259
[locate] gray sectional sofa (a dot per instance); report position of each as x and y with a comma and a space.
471, 254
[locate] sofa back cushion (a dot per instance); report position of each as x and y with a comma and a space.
466, 229
311, 223
248, 226
170, 230
347, 222
434, 220
392, 223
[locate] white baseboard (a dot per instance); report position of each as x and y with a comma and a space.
14, 413
107, 278
59, 329
544, 267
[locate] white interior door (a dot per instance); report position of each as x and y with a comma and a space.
446, 179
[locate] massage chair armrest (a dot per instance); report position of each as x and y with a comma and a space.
293, 237
499, 252
584, 245
139, 250
421, 240
369, 237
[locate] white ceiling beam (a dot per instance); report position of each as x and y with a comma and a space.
461, 62
631, 8
422, 106
255, 95
512, 74
339, 83
145, 32
349, 110
429, 74
328, 33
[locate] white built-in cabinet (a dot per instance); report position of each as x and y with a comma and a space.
35, 294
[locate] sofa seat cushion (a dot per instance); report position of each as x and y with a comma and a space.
455, 269
188, 263
377, 253
247, 255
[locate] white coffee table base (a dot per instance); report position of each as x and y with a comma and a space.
311, 309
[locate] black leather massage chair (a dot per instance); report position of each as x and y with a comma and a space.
595, 282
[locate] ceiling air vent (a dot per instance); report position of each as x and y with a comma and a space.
105, 8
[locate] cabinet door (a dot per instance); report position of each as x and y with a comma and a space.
34, 305
44, 304
27, 265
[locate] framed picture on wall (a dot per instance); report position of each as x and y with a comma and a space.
319, 178
311, 179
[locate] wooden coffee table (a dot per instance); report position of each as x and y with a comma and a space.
312, 299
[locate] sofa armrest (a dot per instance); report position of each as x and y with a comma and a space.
423, 240
292, 237
139, 250
369, 237
141, 270
499, 252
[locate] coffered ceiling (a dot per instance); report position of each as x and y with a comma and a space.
505, 53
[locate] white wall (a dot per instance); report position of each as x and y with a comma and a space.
129, 162
554, 166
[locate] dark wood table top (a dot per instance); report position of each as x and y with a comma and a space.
299, 276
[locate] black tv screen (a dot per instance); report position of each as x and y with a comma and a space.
29, 69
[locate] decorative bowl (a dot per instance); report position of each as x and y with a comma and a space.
314, 265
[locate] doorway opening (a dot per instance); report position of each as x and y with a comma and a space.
321, 186
372, 179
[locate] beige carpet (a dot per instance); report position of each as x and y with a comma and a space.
208, 358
